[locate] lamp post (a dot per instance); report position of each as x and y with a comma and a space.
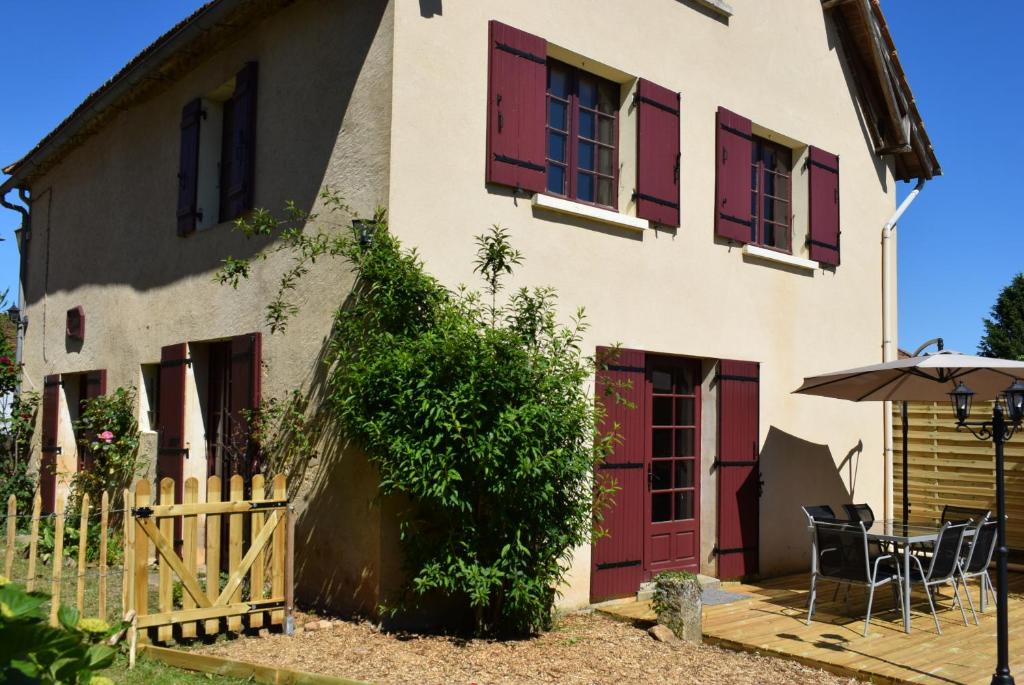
1004, 423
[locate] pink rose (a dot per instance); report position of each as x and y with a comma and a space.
106, 436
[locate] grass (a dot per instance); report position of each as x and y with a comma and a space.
149, 672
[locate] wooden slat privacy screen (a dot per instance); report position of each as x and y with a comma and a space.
950, 467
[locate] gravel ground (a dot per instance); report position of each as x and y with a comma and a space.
583, 649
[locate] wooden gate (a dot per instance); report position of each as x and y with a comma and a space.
210, 602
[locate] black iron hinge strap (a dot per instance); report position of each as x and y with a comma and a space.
618, 564
505, 159
521, 53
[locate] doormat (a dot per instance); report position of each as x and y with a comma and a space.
714, 595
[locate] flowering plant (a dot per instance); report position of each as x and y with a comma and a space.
108, 437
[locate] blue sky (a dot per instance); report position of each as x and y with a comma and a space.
960, 242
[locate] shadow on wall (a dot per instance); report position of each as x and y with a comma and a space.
294, 154
797, 472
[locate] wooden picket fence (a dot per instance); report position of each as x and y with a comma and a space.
264, 524
947, 466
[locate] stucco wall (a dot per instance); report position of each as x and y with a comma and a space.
105, 238
680, 292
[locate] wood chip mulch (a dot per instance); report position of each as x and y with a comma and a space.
583, 649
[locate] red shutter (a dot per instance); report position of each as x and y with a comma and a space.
738, 472
94, 385
49, 447
188, 167
245, 394
824, 206
241, 145
617, 559
657, 175
733, 152
171, 448
516, 108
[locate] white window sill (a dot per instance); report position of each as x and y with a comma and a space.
578, 209
719, 6
767, 255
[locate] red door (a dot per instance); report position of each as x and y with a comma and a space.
672, 502
739, 487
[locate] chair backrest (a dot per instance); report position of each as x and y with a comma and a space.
954, 514
860, 512
842, 550
982, 546
818, 511
947, 551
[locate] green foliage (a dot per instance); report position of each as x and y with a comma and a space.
283, 430
48, 532
476, 413
17, 423
109, 433
32, 651
1004, 330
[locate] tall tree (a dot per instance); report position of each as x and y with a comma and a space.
1004, 331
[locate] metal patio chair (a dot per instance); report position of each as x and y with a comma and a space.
975, 560
860, 512
943, 567
954, 514
843, 556
818, 511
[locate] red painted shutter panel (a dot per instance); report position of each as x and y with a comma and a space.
738, 472
241, 167
657, 174
734, 142
95, 386
245, 394
824, 206
516, 108
617, 559
188, 167
49, 448
171, 449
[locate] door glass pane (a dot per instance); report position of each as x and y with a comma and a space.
587, 125
556, 146
684, 473
661, 475
662, 381
662, 411
685, 415
661, 506
585, 187
661, 443
684, 505
684, 442
557, 115
556, 179
586, 158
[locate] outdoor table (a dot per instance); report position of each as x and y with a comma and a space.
903, 535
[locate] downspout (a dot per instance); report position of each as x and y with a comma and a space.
888, 351
24, 234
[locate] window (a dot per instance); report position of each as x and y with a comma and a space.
582, 136
770, 213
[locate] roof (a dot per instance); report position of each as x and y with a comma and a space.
894, 122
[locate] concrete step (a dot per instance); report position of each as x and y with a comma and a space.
646, 591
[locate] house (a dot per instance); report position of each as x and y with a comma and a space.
709, 180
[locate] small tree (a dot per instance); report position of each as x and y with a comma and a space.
1004, 331
17, 421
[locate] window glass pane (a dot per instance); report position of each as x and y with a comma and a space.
662, 411
585, 187
662, 381
558, 81
606, 130
684, 442
768, 184
556, 179
684, 411
661, 443
684, 473
587, 125
604, 160
605, 192
684, 505
776, 210
586, 158
684, 380
557, 115
779, 185
588, 93
556, 146
661, 474
608, 97
661, 506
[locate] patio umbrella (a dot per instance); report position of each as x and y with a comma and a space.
930, 378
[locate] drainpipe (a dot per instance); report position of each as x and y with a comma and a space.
888, 350
23, 235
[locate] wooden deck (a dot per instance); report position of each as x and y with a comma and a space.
772, 622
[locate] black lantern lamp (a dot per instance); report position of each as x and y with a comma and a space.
15, 317
961, 399
1007, 415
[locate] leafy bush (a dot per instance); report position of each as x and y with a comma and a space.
17, 423
48, 533
475, 410
32, 651
109, 433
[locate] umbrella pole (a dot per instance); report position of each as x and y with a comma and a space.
906, 487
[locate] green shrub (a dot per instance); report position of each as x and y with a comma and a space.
32, 651
109, 432
17, 423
